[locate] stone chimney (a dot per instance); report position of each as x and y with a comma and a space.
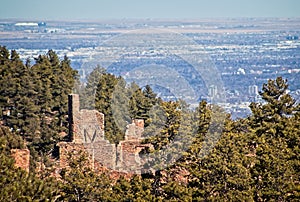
74, 104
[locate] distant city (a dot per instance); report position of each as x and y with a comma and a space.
245, 52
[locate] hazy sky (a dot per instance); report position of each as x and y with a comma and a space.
119, 9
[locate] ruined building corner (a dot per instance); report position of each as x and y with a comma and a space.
22, 158
86, 132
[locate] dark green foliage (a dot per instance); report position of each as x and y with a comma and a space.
107, 87
16, 184
88, 93
10, 141
80, 183
223, 174
141, 102
33, 99
120, 104
275, 125
135, 189
272, 116
170, 122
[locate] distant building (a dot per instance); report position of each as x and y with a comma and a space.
212, 91
253, 90
31, 26
27, 24
292, 37
253, 93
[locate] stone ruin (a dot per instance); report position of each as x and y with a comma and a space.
86, 132
22, 158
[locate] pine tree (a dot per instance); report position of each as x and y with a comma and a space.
138, 109
42, 69
81, 183
141, 102
19, 97
62, 85
87, 95
171, 125
275, 163
103, 103
278, 107
15, 183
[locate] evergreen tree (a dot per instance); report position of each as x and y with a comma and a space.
141, 102
81, 183
87, 95
34, 98
171, 125
274, 171
103, 103
18, 97
134, 189
42, 69
138, 109
15, 183
62, 85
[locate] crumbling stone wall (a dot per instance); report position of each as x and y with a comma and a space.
67, 150
129, 149
86, 132
103, 152
85, 126
22, 158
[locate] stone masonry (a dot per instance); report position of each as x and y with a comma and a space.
22, 158
86, 132
128, 150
